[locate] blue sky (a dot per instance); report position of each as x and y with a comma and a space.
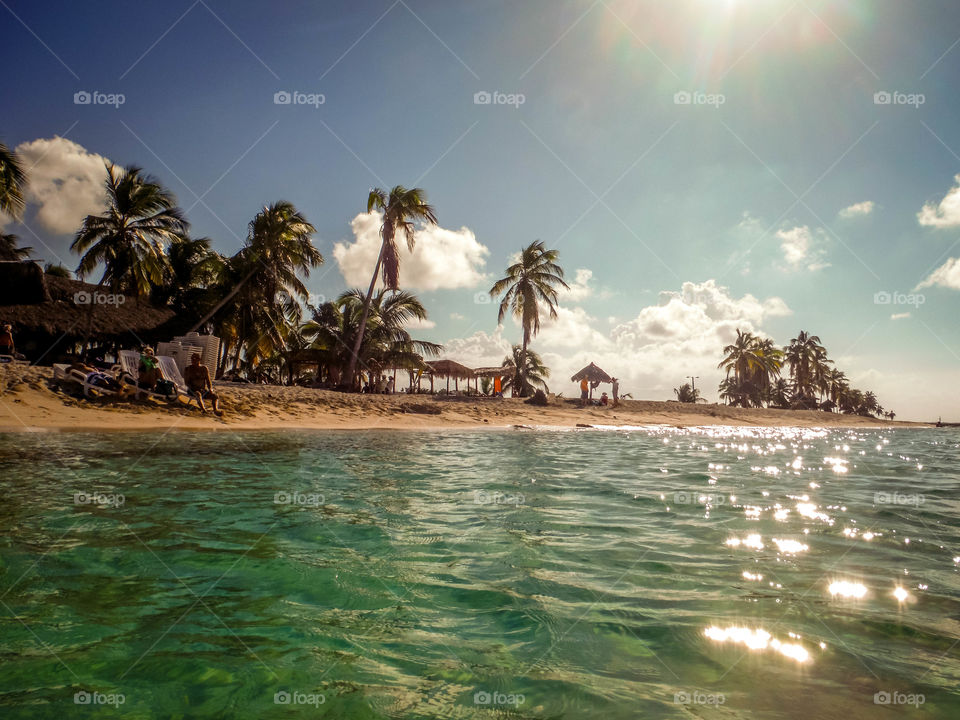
641, 194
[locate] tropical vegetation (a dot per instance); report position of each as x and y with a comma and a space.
530, 285
754, 367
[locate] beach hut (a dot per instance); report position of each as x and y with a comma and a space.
593, 374
448, 369
491, 372
51, 316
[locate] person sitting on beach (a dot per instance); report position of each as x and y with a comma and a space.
6, 341
95, 377
148, 373
603, 399
197, 378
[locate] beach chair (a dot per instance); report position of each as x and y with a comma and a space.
63, 373
170, 371
130, 372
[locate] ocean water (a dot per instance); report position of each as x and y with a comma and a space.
639, 573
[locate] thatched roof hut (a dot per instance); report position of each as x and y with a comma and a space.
50, 314
492, 372
448, 369
593, 374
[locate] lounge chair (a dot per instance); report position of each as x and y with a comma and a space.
130, 372
170, 371
64, 373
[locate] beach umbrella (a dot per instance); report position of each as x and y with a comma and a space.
593, 374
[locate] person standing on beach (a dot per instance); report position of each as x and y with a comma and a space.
616, 391
197, 378
6, 341
584, 392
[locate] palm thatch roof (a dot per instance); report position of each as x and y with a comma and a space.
35, 302
448, 368
489, 372
593, 374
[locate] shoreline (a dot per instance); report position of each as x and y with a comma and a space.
30, 403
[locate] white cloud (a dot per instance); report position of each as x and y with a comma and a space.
945, 214
900, 316
442, 259
580, 288
457, 316
681, 335
858, 209
65, 182
419, 325
947, 275
801, 249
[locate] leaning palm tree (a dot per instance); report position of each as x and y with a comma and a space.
401, 208
13, 179
9, 250
532, 280
128, 238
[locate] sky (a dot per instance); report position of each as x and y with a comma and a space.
700, 165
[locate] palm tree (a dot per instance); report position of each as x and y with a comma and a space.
9, 249
534, 372
809, 365
13, 180
754, 363
128, 238
386, 340
401, 209
778, 394
530, 281
190, 276
686, 393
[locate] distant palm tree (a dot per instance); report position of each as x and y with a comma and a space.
778, 395
534, 375
533, 280
13, 180
190, 277
401, 208
128, 238
9, 249
809, 365
754, 364
686, 393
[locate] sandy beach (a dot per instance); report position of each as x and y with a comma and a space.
29, 401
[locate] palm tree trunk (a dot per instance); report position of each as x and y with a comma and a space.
354, 356
523, 362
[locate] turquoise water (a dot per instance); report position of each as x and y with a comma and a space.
618, 574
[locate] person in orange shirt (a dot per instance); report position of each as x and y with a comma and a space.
497, 387
584, 392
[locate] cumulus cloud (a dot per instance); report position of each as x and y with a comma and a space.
858, 209
944, 214
65, 182
416, 324
947, 275
579, 288
682, 334
457, 316
801, 248
442, 259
